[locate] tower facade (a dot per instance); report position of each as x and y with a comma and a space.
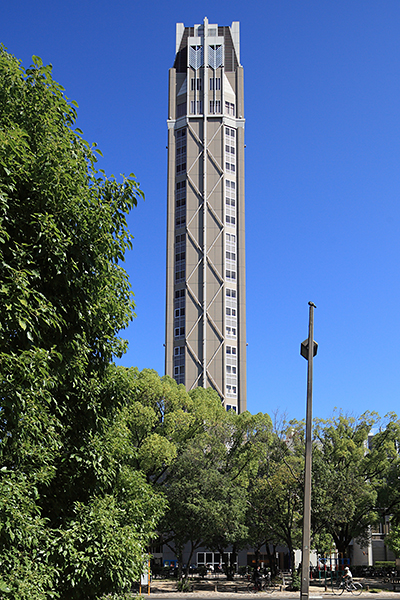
205, 342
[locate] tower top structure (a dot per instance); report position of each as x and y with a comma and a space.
211, 31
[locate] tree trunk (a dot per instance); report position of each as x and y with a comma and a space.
193, 546
291, 557
272, 559
179, 556
232, 560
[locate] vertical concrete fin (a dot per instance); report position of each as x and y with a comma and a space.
180, 28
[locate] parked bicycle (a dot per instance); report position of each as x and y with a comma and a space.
265, 584
354, 587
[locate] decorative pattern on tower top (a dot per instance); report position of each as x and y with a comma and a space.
215, 56
196, 57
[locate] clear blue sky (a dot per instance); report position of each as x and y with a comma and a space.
322, 99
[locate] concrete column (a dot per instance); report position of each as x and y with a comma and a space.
170, 266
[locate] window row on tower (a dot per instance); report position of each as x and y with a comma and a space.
179, 313
196, 83
231, 371
180, 151
179, 364
180, 257
230, 260
196, 108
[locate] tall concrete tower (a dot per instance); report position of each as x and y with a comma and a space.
205, 340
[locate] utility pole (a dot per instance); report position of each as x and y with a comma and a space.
308, 350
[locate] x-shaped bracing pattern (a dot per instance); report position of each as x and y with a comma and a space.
204, 254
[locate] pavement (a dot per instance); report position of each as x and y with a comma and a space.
223, 589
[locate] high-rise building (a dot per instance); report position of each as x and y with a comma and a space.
205, 343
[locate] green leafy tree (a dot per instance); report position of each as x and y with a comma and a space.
345, 472
102, 548
157, 432
276, 493
207, 484
392, 540
187, 491
64, 298
157, 419
26, 569
186, 481
241, 442
386, 445
323, 544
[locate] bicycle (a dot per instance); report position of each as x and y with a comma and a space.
271, 585
263, 585
354, 587
255, 586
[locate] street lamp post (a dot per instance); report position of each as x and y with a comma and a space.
308, 350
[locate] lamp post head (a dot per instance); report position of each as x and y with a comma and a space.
304, 349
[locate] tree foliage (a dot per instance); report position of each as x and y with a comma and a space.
386, 445
207, 485
355, 482
345, 475
64, 298
276, 493
393, 540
